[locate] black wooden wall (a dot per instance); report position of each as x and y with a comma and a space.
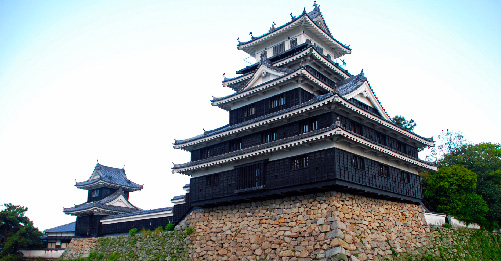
292, 98
325, 168
87, 226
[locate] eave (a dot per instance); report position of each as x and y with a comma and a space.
300, 72
301, 109
383, 122
101, 183
96, 210
303, 20
291, 142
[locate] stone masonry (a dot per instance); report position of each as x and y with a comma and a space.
330, 225
79, 248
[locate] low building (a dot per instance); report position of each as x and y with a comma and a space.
59, 237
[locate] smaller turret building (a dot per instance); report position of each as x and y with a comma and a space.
108, 194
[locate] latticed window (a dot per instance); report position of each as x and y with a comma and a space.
277, 101
358, 162
206, 153
293, 42
300, 162
249, 110
269, 136
235, 145
381, 138
250, 177
384, 171
309, 125
356, 128
212, 180
279, 48
95, 193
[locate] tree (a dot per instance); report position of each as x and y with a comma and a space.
403, 123
447, 141
485, 160
16, 232
451, 190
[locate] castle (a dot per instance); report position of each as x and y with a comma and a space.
309, 156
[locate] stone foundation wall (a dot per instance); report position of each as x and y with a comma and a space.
329, 225
79, 247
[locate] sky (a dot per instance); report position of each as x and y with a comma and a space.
118, 81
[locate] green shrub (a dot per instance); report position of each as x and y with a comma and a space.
446, 225
169, 227
188, 231
133, 231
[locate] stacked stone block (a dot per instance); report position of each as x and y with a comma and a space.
329, 225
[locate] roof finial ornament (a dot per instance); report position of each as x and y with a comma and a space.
272, 28
224, 77
304, 10
292, 17
315, 6
252, 37
362, 73
238, 39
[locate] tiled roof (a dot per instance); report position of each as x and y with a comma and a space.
234, 126
112, 176
287, 140
137, 213
63, 228
178, 197
102, 204
311, 15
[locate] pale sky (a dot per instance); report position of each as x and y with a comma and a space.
118, 81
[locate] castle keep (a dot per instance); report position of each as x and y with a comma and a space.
300, 123
310, 165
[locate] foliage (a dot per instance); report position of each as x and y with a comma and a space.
458, 244
154, 246
451, 190
447, 142
403, 123
169, 227
133, 231
188, 231
16, 232
485, 160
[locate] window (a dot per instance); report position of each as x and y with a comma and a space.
279, 48
384, 171
212, 180
358, 162
269, 136
235, 145
329, 57
356, 127
309, 125
300, 162
381, 138
405, 177
250, 177
249, 110
293, 42
205, 153
308, 41
95, 193
401, 147
277, 101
